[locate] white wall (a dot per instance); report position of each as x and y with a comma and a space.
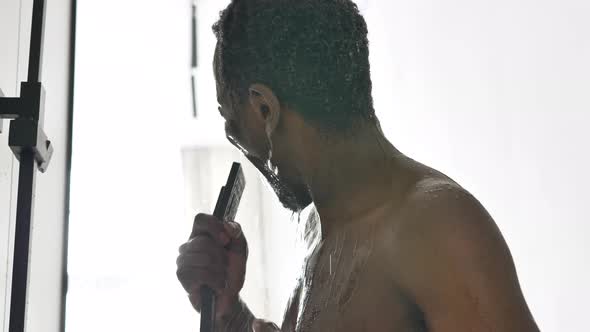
127, 221
495, 94
44, 292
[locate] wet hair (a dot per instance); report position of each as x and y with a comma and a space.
313, 54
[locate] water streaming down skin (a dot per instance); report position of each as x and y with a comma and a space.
331, 272
238, 145
435, 192
290, 198
332, 266
294, 195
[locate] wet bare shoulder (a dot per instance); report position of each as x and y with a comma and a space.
438, 209
439, 206
452, 261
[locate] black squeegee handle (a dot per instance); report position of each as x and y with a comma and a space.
225, 209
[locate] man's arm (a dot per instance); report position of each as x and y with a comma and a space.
238, 319
241, 319
459, 271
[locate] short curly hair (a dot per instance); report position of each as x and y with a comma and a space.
314, 54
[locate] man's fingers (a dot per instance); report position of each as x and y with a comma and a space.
260, 325
195, 298
202, 259
233, 229
192, 278
200, 243
238, 242
208, 225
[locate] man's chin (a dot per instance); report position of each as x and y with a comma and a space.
294, 202
294, 198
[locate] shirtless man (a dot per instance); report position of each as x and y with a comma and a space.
400, 246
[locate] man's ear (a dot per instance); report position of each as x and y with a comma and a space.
266, 104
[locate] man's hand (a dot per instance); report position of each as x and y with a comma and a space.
215, 256
260, 325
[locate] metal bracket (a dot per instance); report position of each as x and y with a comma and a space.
26, 114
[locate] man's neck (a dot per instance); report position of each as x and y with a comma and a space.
352, 178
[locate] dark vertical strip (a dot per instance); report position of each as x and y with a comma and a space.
194, 93
26, 187
194, 56
69, 138
22, 237
207, 310
36, 46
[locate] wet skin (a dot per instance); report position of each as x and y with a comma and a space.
394, 245
430, 260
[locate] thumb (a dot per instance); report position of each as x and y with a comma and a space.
238, 242
260, 325
233, 229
